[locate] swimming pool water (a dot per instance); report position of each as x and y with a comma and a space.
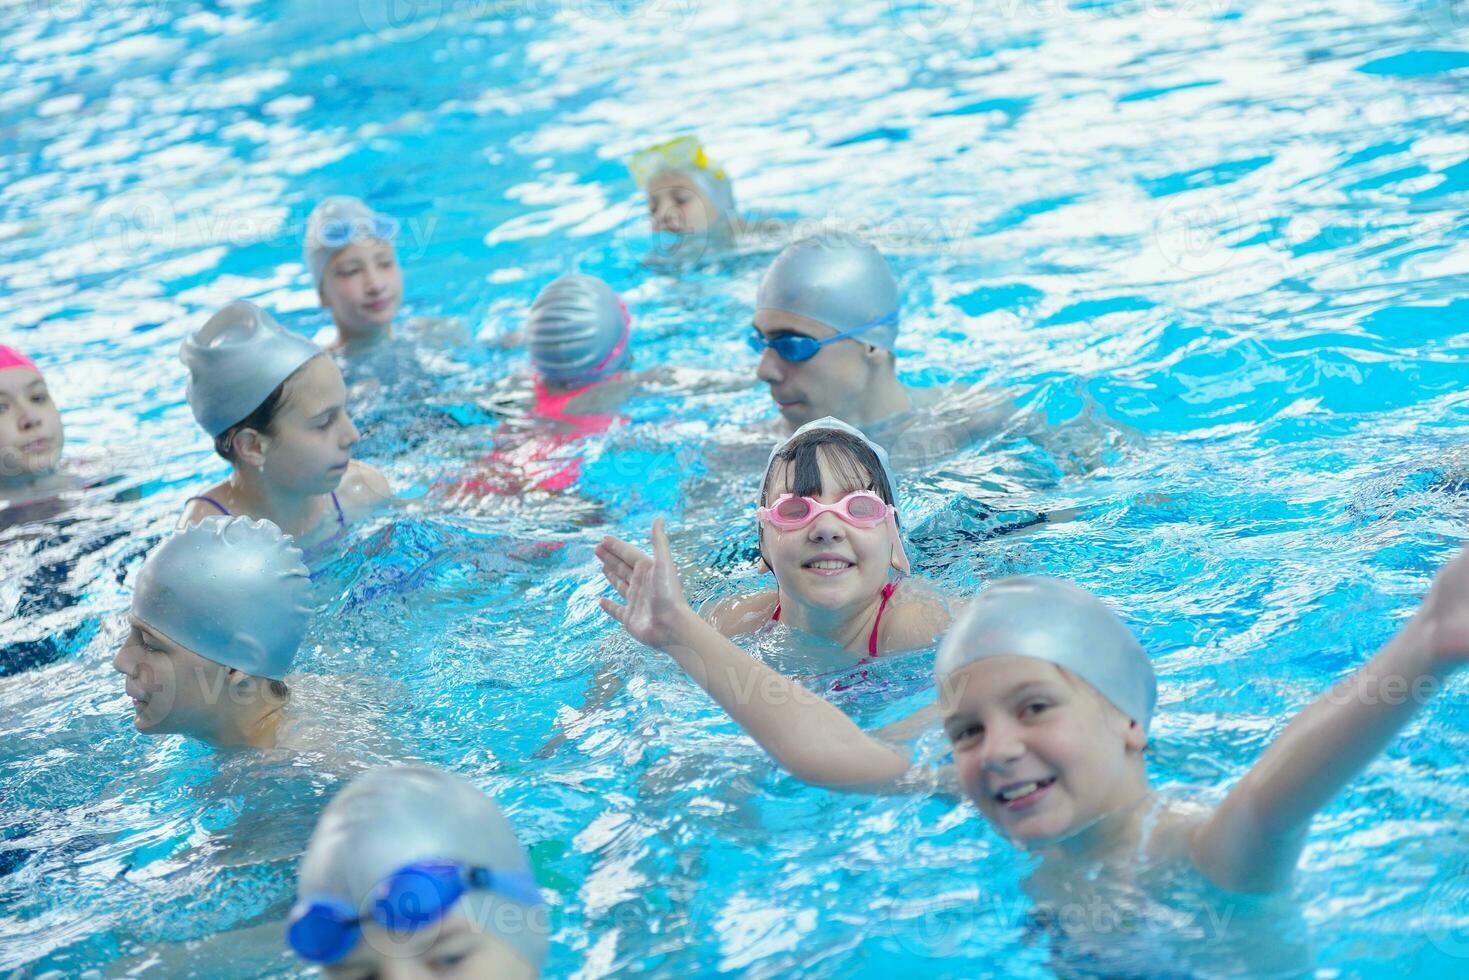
1236, 228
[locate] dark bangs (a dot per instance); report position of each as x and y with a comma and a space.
853, 464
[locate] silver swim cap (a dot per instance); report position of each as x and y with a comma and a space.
230, 589
391, 817
336, 223
1051, 620
578, 330
834, 423
236, 360
837, 280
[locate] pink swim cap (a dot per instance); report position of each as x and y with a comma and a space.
10, 357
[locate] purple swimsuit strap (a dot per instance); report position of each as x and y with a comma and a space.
211, 502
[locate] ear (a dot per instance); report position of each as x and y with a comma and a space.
900, 556
251, 447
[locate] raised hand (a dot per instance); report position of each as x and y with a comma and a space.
653, 601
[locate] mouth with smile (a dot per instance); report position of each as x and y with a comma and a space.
827, 564
1021, 796
37, 445
379, 305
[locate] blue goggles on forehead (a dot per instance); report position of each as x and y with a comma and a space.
340, 233
325, 929
798, 347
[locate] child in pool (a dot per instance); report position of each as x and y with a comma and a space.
414, 872
578, 333
1046, 698
218, 612
275, 405
31, 434
688, 196
352, 261
828, 530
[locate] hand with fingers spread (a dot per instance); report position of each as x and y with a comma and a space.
654, 609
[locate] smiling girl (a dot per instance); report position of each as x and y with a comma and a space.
275, 406
31, 435
828, 530
351, 256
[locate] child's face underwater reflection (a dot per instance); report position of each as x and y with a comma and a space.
1038, 750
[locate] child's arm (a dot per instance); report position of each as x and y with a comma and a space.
809, 737
1252, 841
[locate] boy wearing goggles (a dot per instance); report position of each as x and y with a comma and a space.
412, 871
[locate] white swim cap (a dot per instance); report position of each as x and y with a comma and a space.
837, 280
578, 330
336, 223
685, 155
834, 423
236, 360
230, 589
1051, 620
392, 817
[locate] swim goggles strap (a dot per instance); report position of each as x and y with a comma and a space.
800, 348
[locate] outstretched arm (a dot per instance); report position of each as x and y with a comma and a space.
810, 738
1252, 841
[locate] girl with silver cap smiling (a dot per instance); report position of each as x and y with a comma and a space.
1047, 700
219, 610
413, 872
275, 406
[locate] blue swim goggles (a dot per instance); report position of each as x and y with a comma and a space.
340, 233
798, 347
325, 929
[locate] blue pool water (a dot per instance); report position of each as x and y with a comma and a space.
1237, 228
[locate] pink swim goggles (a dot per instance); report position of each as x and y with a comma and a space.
860, 508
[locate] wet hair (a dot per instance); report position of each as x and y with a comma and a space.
852, 462
260, 420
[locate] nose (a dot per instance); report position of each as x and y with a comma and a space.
350, 435
29, 418
372, 279
771, 368
1002, 747
826, 527
401, 968
123, 661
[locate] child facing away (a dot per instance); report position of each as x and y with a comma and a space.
1046, 700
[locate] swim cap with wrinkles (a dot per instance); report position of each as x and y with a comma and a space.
10, 357
578, 331
336, 223
391, 817
230, 589
835, 279
236, 360
685, 155
1054, 621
